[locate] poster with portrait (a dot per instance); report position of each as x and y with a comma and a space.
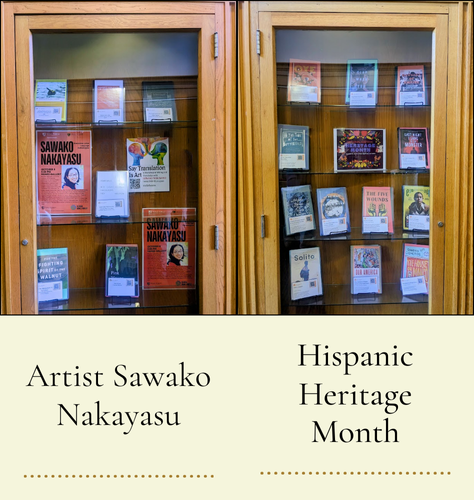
64, 169
169, 248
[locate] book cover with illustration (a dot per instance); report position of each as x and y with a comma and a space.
305, 273
304, 81
64, 170
298, 209
51, 100
333, 211
359, 150
416, 261
148, 164
293, 149
159, 103
109, 101
410, 86
53, 274
169, 248
413, 148
121, 270
377, 210
366, 269
416, 208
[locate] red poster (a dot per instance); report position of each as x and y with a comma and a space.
377, 210
169, 248
64, 170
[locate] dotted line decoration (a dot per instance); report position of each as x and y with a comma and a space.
116, 476
357, 473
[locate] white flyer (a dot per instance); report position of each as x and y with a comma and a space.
332, 226
414, 285
420, 222
112, 194
412, 98
50, 290
413, 161
121, 287
375, 224
362, 99
159, 114
302, 289
365, 284
301, 223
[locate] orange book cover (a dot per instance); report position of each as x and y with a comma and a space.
169, 248
304, 81
64, 170
377, 210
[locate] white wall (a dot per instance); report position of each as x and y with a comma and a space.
114, 55
339, 46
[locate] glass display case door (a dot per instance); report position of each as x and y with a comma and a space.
331, 41
189, 181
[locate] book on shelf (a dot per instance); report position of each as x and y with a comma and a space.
416, 261
121, 270
377, 210
305, 273
53, 274
410, 86
333, 211
359, 150
112, 194
64, 171
159, 102
362, 82
366, 269
148, 164
413, 148
169, 248
416, 208
293, 147
109, 101
304, 81
51, 100
298, 209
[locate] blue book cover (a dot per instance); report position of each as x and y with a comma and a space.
333, 211
362, 82
53, 274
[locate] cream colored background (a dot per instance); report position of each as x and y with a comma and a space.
247, 421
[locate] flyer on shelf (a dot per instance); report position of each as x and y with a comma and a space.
63, 167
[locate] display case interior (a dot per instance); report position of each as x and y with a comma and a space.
331, 50
146, 67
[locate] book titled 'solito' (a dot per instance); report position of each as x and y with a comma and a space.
333, 211
305, 273
366, 269
109, 101
121, 272
377, 210
53, 274
298, 209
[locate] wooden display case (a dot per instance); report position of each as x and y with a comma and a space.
332, 33
187, 43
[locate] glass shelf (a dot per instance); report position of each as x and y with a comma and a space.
66, 220
397, 171
94, 299
347, 107
357, 235
340, 295
122, 125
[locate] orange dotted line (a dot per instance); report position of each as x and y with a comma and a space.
117, 476
356, 473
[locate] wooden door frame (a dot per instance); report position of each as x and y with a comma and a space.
216, 119
448, 286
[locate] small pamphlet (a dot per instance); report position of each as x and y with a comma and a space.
109, 98
112, 194
414, 285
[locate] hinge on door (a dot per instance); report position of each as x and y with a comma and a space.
262, 225
216, 44
258, 42
216, 237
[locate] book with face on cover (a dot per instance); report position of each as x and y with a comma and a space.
304, 81
305, 273
333, 211
410, 86
377, 210
298, 209
366, 269
416, 208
